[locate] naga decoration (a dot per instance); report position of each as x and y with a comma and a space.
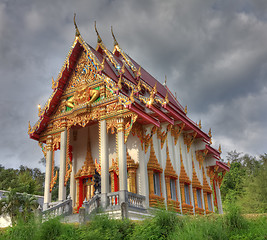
200, 156
188, 139
128, 126
44, 150
68, 159
176, 131
53, 177
163, 135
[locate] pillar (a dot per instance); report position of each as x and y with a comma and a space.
48, 167
122, 160
73, 182
192, 198
103, 144
219, 200
62, 166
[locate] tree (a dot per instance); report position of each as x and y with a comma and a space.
17, 205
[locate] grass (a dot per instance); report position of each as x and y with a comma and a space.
165, 225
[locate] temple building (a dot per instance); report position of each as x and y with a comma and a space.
108, 116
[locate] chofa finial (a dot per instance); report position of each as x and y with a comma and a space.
165, 82
115, 40
99, 40
77, 34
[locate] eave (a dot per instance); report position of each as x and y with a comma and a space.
58, 91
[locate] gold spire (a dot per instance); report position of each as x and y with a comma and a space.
165, 82
154, 90
77, 33
138, 73
210, 136
210, 133
29, 128
39, 110
166, 98
102, 65
122, 71
132, 96
220, 149
185, 109
199, 124
119, 82
138, 87
115, 41
99, 40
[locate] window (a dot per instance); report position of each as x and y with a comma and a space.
173, 189
156, 180
187, 194
199, 199
209, 201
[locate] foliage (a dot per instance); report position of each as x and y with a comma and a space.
246, 182
18, 206
23, 179
164, 225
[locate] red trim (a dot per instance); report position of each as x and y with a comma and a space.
144, 115
188, 122
222, 165
57, 92
213, 151
80, 192
161, 114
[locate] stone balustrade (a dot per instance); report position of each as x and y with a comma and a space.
62, 208
136, 200
92, 204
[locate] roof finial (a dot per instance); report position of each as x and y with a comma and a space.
115, 41
185, 109
166, 98
220, 149
176, 95
77, 33
199, 124
29, 128
138, 73
99, 40
165, 82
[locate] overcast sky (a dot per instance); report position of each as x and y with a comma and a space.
214, 54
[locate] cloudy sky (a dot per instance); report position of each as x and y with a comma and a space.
214, 54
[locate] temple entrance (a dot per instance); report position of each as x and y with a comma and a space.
88, 188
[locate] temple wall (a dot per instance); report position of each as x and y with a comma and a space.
94, 141
112, 148
80, 147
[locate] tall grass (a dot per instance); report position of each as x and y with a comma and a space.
165, 225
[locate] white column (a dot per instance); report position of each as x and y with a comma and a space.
49, 155
192, 198
219, 200
179, 194
122, 160
73, 183
62, 166
203, 201
143, 159
104, 161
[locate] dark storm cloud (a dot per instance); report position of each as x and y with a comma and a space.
213, 53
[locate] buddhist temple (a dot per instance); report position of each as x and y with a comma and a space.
108, 118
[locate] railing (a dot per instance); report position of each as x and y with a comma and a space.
136, 200
63, 208
92, 205
113, 199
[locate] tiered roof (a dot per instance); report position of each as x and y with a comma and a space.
140, 92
